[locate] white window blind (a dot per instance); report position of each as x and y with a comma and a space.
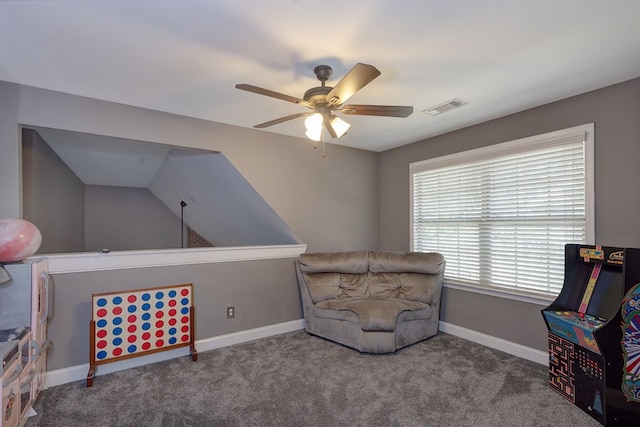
502, 215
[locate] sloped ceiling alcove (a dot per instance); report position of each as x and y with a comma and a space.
221, 205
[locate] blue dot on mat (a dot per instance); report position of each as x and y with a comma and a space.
146, 306
172, 294
159, 295
101, 323
146, 316
184, 310
184, 301
117, 300
146, 297
117, 320
172, 340
101, 354
146, 326
172, 331
101, 302
117, 331
132, 349
159, 304
131, 309
117, 341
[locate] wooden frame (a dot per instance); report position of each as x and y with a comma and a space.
126, 324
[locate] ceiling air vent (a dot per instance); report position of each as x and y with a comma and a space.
444, 107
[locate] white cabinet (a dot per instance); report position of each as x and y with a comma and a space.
24, 309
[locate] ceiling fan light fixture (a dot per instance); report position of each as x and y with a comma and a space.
323, 100
314, 135
339, 126
313, 123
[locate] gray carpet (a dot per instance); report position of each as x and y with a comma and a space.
295, 379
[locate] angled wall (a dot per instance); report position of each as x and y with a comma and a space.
53, 197
221, 205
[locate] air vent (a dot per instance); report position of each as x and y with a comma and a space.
444, 107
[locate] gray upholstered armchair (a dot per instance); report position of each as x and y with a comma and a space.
375, 302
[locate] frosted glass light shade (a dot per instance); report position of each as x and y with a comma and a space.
313, 123
339, 126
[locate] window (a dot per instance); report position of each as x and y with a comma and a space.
502, 214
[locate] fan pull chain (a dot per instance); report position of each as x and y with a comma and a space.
323, 138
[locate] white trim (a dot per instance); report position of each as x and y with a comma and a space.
590, 184
96, 261
79, 372
509, 147
515, 349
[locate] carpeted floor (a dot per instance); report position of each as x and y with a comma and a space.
295, 379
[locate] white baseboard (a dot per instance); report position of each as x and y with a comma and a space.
519, 350
79, 372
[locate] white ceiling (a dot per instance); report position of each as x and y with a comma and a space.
185, 57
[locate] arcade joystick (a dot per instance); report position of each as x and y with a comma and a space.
581, 315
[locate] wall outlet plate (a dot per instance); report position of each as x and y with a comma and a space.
231, 312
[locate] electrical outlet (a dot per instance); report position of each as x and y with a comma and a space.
231, 312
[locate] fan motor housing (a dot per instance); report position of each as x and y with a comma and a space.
317, 95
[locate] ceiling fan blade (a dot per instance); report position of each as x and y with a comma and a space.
377, 110
280, 120
357, 78
267, 92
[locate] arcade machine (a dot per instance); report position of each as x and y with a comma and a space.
594, 333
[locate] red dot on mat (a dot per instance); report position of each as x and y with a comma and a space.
172, 303
185, 319
184, 292
185, 338
132, 338
172, 321
159, 333
117, 351
159, 314
172, 312
132, 318
102, 312
146, 346
101, 333
185, 328
117, 310
131, 298
132, 328
159, 343
159, 324
146, 336
101, 344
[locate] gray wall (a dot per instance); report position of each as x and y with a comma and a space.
615, 110
122, 219
53, 197
263, 292
329, 203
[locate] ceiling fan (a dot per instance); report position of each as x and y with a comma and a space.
324, 101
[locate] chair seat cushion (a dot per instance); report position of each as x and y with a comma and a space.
374, 314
